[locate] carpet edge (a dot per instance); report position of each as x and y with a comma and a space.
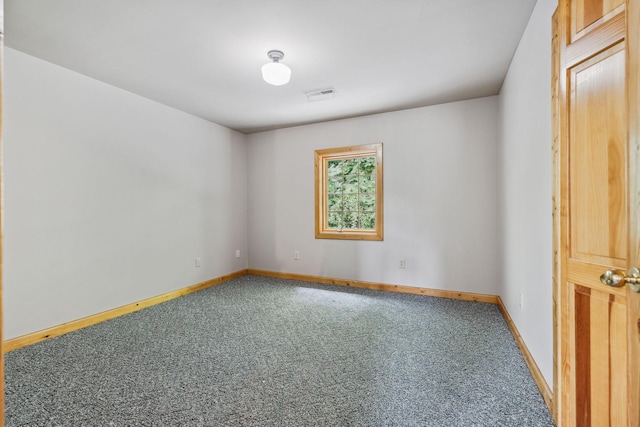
465, 296
54, 331
544, 388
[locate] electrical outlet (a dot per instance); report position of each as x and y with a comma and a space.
296, 255
237, 253
521, 300
402, 263
197, 262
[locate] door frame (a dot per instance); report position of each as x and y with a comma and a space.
557, 40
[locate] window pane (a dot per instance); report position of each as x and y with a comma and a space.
350, 167
367, 165
335, 185
335, 202
351, 179
351, 188
335, 220
350, 203
334, 168
368, 220
351, 220
367, 183
367, 202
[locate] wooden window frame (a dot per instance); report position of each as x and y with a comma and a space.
322, 158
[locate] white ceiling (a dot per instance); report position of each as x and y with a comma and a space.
204, 56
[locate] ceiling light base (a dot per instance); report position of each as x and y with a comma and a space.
275, 55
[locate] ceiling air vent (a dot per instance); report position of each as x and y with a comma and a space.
319, 95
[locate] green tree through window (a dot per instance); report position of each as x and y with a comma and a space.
351, 195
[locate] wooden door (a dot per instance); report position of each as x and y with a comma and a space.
599, 214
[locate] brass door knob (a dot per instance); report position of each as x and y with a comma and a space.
618, 278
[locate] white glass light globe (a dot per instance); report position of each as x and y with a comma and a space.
276, 74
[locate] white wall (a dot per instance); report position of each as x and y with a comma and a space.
109, 197
440, 199
526, 187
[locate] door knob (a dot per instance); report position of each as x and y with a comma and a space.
618, 278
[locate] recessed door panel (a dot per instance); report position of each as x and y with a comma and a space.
600, 337
597, 134
588, 12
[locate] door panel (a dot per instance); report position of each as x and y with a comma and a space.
597, 343
601, 357
589, 12
597, 168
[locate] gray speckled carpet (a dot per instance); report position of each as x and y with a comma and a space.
258, 351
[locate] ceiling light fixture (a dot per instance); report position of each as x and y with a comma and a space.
276, 73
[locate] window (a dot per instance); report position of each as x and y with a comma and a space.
349, 193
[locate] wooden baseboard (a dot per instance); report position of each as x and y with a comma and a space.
65, 328
466, 296
545, 391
